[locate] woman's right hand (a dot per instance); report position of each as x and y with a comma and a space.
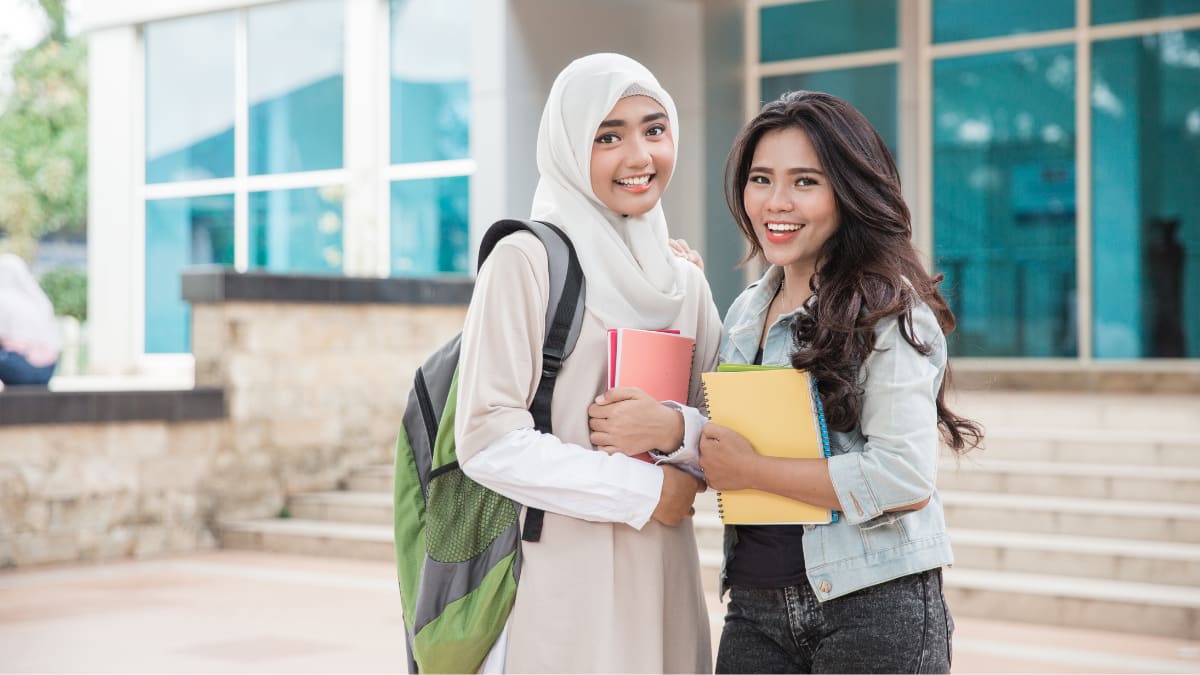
681, 249
679, 492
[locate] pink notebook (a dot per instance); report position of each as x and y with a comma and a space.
659, 362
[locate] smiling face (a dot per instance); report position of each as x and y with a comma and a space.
789, 200
632, 156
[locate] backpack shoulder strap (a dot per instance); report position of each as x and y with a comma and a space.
564, 316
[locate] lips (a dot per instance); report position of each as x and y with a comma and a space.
779, 232
635, 184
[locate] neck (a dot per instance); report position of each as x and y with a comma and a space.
794, 291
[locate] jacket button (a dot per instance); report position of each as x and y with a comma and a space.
824, 586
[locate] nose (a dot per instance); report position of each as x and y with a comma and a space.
639, 154
780, 199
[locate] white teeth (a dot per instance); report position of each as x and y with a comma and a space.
783, 227
640, 180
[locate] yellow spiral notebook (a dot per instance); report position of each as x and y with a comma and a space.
778, 411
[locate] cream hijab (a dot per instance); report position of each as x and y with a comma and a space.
26, 316
633, 280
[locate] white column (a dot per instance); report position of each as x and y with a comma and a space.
490, 133
364, 151
115, 216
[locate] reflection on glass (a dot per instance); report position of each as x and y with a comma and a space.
430, 65
871, 89
1004, 200
295, 86
824, 27
297, 230
975, 19
181, 232
1112, 11
1145, 213
189, 98
429, 226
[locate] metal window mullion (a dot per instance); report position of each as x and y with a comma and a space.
1083, 181
1007, 43
1130, 29
439, 169
241, 145
859, 59
924, 235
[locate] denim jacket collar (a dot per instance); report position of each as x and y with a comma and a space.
745, 322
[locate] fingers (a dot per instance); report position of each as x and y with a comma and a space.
618, 394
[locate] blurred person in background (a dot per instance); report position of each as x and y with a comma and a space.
29, 339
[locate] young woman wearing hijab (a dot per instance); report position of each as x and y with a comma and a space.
814, 190
614, 583
29, 339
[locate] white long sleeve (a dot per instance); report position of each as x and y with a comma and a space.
687, 457
541, 471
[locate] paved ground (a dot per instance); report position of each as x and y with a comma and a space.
232, 611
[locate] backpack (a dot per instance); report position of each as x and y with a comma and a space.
458, 550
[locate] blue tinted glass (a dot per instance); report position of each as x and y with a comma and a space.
1004, 200
974, 19
181, 232
1112, 11
430, 63
189, 98
1145, 213
871, 89
826, 27
297, 230
429, 226
295, 86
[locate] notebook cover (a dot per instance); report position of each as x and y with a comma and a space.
658, 362
773, 408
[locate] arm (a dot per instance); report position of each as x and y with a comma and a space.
897, 467
500, 363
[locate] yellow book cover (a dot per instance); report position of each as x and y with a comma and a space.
774, 409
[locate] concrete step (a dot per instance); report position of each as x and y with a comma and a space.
1154, 447
1120, 559
1159, 521
1071, 479
309, 537
373, 508
1151, 413
1100, 604
370, 478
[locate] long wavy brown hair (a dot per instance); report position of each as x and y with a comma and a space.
866, 271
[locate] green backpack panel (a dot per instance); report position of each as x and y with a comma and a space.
458, 544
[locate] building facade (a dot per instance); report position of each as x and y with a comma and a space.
1049, 150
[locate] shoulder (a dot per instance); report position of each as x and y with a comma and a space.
925, 329
518, 256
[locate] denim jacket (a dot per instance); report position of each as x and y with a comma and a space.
888, 459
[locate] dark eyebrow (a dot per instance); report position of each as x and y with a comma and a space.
797, 170
607, 124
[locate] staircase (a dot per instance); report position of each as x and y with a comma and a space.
1083, 511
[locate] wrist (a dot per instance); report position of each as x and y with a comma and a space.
673, 430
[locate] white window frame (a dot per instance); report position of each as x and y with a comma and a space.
915, 57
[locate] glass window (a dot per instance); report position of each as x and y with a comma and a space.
975, 19
181, 232
295, 86
297, 230
1004, 200
1145, 215
826, 27
871, 89
1113, 11
430, 64
189, 98
429, 226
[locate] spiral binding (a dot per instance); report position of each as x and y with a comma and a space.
824, 428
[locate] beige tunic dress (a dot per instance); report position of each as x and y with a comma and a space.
593, 596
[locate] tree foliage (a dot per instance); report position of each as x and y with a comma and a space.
43, 139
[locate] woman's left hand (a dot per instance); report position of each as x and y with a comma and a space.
681, 249
628, 420
727, 458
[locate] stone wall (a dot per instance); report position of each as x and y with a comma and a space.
313, 390
298, 380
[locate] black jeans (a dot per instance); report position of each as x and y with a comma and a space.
899, 626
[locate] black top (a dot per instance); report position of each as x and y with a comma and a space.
767, 556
